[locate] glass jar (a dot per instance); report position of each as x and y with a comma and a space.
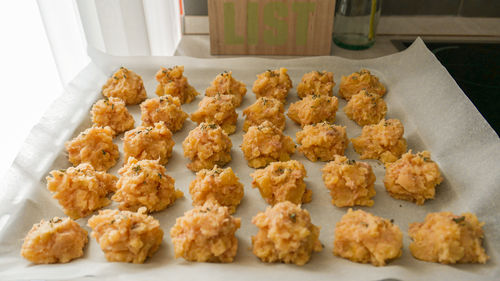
356, 23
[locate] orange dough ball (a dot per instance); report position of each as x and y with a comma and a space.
126, 236
313, 109
218, 184
112, 112
264, 144
286, 234
365, 238
357, 81
165, 108
365, 108
94, 146
126, 85
173, 83
58, 240
81, 190
206, 234
447, 238
350, 183
206, 146
316, 83
149, 143
383, 141
273, 84
225, 84
265, 109
145, 184
219, 110
322, 141
282, 181
413, 177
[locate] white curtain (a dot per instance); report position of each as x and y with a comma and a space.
115, 27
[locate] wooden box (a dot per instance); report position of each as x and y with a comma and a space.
271, 27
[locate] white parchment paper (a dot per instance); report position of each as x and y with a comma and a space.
436, 114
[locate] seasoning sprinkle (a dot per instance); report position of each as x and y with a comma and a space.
459, 219
55, 220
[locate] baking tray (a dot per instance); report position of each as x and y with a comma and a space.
436, 114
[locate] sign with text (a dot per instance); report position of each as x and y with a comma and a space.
271, 27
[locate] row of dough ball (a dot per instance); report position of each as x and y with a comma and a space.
208, 145
95, 146
144, 183
286, 234
266, 143
128, 86
112, 112
81, 190
413, 177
